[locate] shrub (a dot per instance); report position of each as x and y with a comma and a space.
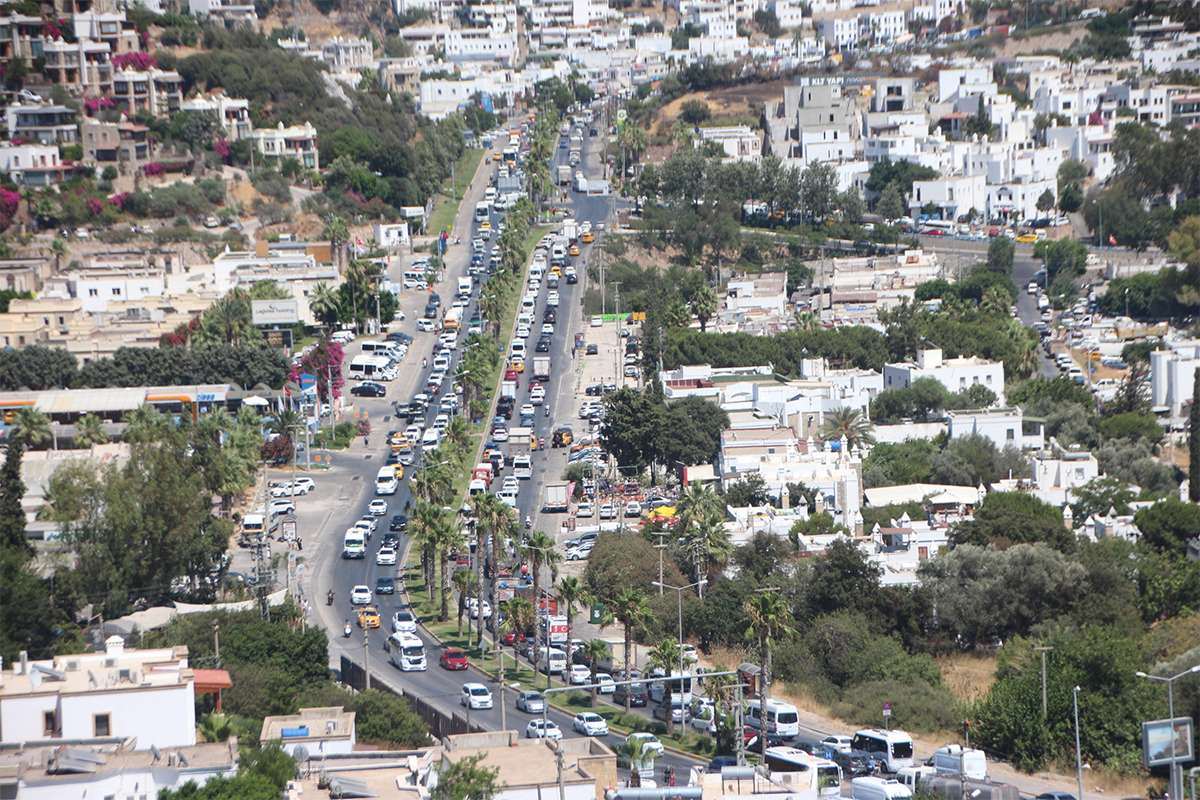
916, 705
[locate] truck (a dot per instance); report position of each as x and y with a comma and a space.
508, 389
569, 229
556, 500
580, 182
947, 787
576, 142
541, 368
564, 174
554, 629
521, 441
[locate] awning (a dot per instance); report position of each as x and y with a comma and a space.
211, 680
256, 401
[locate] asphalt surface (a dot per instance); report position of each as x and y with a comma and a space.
353, 473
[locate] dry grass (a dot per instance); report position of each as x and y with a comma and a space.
968, 677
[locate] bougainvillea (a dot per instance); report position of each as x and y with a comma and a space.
134, 60
153, 168
323, 361
94, 104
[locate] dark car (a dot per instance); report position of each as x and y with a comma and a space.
399, 522
397, 336
435, 298
368, 389
593, 349
385, 585
856, 763
1055, 796
638, 696
390, 540
720, 762
403, 411
431, 311
542, 346
550, 316
572, 277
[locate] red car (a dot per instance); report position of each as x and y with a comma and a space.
512, 637
453, 658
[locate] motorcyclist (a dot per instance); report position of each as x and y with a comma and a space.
528, 522
424, 363
329, 598
346, 629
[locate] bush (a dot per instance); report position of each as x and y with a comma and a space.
916, 705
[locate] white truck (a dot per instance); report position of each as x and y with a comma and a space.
580, 182
569, 229
564, 174
556, 500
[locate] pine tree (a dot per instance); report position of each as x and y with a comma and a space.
12, 489
1194, 441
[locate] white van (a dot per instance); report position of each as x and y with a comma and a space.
368, 366
254, 525
379, 348
878, 789
954, 759
464, 287
413, 279
385, 481
354, 544
783, 719
892, 749
430, 439
555, 658
522, 468
913, 776
406, 652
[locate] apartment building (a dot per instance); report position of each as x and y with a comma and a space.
1004, 427
815, 121
1058, 471
31, 164
48, 124
123, 144
84, 65
348, 55
956, 374
233, 113
230, 13
469, 44
157, 92
295, 141
1172, 373
737, 142
954, 196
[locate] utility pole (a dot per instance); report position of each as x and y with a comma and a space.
1043, 650
503, 712
660, 547
367, 656
1079, 756
217, 642
738, 737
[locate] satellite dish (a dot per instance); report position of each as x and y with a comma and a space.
300, 753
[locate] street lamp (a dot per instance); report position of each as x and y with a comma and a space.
1176, 790
679, 590
1078, 755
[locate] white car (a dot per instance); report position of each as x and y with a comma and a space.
539, 729
378, 508
425, 325
475, 696
579, 552
278, 507
651, 746
552, 299
589, 723
523, 332
304, 485
585, 509
360, 595
839, 743
597, 321
366, 524
608, 511
511, 482
537, 394
473, 609
607, 684
579, 675
547, 329
527, 410
508, 497
404, 621
386, 557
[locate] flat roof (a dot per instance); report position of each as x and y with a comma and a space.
330, 722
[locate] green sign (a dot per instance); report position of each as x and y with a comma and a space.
596, 615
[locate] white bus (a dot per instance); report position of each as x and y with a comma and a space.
385, 481
367, 366
354, 545
783, 719
482, 211
407, 652
892, 749
805, 771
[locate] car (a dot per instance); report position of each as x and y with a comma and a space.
1055, 796
404, 621
385, 584
579, 675
592, 349
719, 763
542, 346
631, 371
426, 325
548, 329
453, 658
608, 511
579, 553
585, 510
475, 696
528, 410
360, 595
542, 729
596, 321
369, 389
304, 485
636, 692
377, 508
366, 522
651, 746
399, 523
607, 684
840, 744
1027, 238
368, 617
531, 702
473, 606
589, 723
277, 507
386, 557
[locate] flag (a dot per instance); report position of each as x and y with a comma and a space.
1112, 240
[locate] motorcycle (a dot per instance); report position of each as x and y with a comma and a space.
347, 631
329, 598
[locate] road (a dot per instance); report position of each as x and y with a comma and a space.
343, 493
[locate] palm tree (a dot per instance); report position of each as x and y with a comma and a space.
541, 551
145, 424
595, 650
286, 423
324, 304
631, 609
640, 759
466, 583
571, 594
227, 321
707, 541
770, 621
697, 500
337, 232
59, 248
433, 482
89, 430
849, 423
704, 305
214, 727
32, 428
667, 656
447, 537
458, 437
492, 518
519, 616
424, 529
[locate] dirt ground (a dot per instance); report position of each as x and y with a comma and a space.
1057, 42
968, 677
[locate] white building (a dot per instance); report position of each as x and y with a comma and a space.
391, 236
737, 142
321, 731
229, 12
956, 374
1004, 427
958, 82
97, 288
31, 164
148, 695
470, 44
1172, 376
348, 55
954, 196
232, 112
1058, 471
297, 141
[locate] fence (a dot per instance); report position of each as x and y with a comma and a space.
440, 723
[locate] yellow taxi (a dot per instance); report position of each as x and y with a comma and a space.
399, 470
1027, 238
485, 226
496, 156
368, 617
574, 251
556, 271
517, 364
588, 238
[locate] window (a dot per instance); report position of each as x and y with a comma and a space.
101, 725
49, 723
1011, 435
116, 291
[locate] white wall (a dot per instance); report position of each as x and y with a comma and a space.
160, 716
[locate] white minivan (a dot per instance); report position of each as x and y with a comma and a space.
385, 481
783, 719
878, 789
552, 660
954, 759
892, 749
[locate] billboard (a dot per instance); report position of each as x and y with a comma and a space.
274, 312
1156, 741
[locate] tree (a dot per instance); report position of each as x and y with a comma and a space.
849, 424
629, 427
1194, 441
706, 542
466, 583
694, 112
324, 304
852, 206
571, 595
981, 123
770, 621
1099, 495
12, 492
667, 656
750, 491
1000, 255
630, 609
89, 430
542, 551
1045, 202
1007, 518
704, 305
465, 779
842, 578
1070, 198
595, 651
891, 204
1168, 525
691, 432
625, 561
